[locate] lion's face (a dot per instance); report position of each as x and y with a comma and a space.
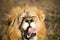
28, 23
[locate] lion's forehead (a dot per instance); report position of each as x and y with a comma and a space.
28, 13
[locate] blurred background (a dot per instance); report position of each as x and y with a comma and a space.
50, 7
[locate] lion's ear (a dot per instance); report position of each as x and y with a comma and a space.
41, 16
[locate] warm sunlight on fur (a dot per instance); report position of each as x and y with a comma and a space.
26, 21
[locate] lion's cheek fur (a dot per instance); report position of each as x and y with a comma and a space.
41, 32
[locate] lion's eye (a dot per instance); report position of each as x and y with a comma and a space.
23, 17
26, 20
31, 20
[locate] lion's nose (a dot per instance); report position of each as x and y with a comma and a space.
28, 20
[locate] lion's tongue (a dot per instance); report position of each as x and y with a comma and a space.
31, 30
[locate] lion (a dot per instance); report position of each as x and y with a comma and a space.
26, 23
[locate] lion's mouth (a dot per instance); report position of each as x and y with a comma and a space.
29, 33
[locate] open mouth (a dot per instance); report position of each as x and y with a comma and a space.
29, 33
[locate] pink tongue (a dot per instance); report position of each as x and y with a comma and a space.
31, 30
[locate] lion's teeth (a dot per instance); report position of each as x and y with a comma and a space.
28, 36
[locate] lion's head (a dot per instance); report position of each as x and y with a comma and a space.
27, 20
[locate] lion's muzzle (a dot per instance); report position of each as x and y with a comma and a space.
28, 27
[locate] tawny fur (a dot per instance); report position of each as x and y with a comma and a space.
12, 32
